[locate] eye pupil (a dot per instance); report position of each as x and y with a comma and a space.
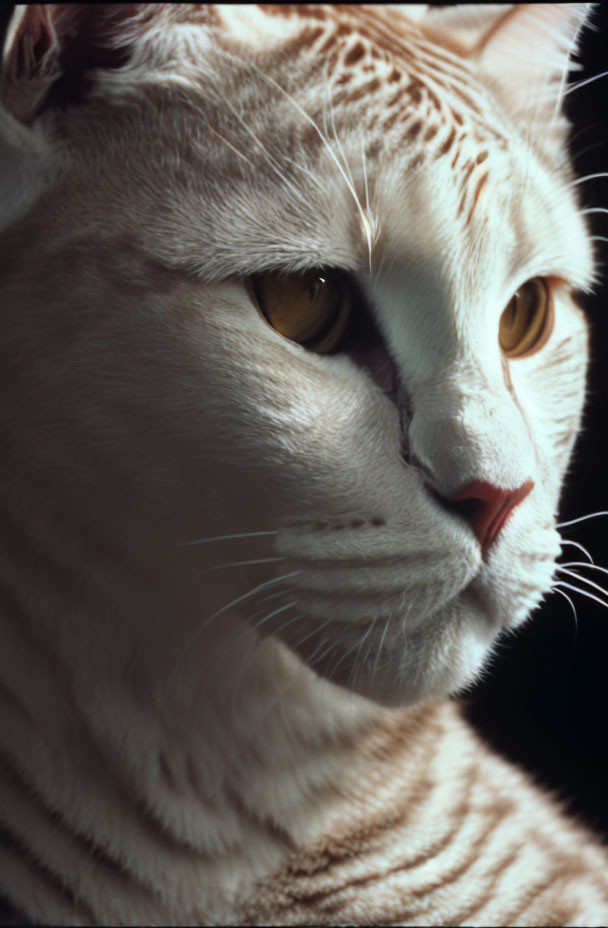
312, 308
527, 321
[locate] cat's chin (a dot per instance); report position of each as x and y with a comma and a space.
388, 664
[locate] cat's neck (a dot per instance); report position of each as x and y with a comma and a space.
182, 751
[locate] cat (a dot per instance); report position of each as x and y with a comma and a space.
292, 369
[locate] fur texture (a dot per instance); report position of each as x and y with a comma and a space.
230, 606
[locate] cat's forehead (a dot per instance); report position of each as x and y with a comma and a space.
370, 105
363, 54
311, 136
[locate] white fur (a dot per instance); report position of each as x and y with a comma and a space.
147, 405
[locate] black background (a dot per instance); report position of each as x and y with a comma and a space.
545, 702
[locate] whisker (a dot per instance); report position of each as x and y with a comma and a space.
269, 158
314, 659
585, 151
576, 589
204, 541
331, 672
586, 128
233, 147
295, 618
380, 648
276, 595
583, 564
593, 209
214, 615
575, 544
240, 599
365, 221
276, 612
585, 580
591, 515
259, 560
588, 80
582, 180
565, 595
367, 204
313, 632
356, 664
335, 134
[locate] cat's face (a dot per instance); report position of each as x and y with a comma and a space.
301, 143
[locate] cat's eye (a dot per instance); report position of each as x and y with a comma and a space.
527, 322
311, 308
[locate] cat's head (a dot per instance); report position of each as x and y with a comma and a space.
307, 272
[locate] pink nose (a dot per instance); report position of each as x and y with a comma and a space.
485, 507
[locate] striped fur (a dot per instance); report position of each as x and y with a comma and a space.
231, 613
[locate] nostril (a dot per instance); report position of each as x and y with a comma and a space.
485, 507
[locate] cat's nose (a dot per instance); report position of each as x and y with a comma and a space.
485, 507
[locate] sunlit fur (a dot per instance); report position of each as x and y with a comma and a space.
221, 574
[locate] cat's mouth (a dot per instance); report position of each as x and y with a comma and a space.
397, 631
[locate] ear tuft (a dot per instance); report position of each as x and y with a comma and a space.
51, 50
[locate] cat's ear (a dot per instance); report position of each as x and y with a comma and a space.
523, 51
51, 51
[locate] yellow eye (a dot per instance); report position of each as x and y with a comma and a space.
527, 322
311, 308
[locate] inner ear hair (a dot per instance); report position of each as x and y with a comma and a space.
51, 52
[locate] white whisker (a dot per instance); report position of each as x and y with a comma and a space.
204, 541
240, 599
361, 643
276, 612
265, 599
269, 158
576, 589
315, 631
585, 580
582, 180
593, 209
591, 515
314, 659
588, 80
367, 203
603, 570
585, 151
259, 560
565, 595
218, 612
366, 223
380, 649
335, 135
296, 618
232, 147
575, 544
332, 670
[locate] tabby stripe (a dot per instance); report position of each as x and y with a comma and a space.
75, 865
335, 899
445, 148
395, 823
379, 34
47, 900
489, 891
141, 827
546, 884
480, 185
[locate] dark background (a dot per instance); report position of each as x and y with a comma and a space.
545, 703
